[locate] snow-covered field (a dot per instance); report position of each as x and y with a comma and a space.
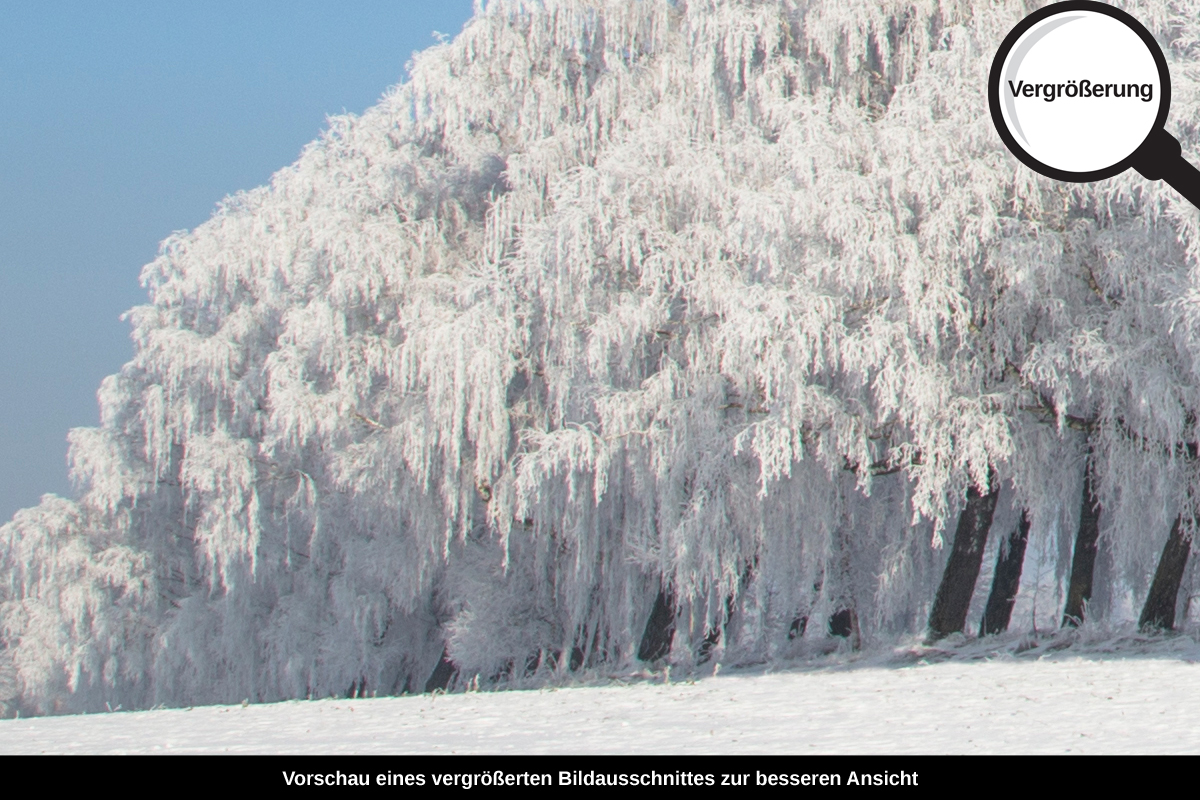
1142, 698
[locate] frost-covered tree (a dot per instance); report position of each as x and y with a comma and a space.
711, 313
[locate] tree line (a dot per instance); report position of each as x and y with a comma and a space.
630, 333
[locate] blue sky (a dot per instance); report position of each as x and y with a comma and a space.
121, 122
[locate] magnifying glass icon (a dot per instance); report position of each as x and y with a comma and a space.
1079, 91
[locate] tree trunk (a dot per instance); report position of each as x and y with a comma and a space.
1159, 611
843, 624
660, 628
1083, 563
713, 638
953, 598
443, 673
1006, 581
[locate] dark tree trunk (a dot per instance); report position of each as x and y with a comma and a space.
800, 623
443, 673
843, 623
576, 660
1006, 581
1159, 611
953, 599
660, 628
1083, 563
713, 638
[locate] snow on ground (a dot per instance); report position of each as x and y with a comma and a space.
1080, 700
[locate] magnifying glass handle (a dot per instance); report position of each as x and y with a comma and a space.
1160, 158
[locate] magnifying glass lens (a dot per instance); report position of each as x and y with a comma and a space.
1080, 91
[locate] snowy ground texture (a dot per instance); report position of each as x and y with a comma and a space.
1126, 694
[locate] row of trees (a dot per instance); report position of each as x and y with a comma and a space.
625, 330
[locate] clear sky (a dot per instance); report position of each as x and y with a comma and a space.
123, 121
